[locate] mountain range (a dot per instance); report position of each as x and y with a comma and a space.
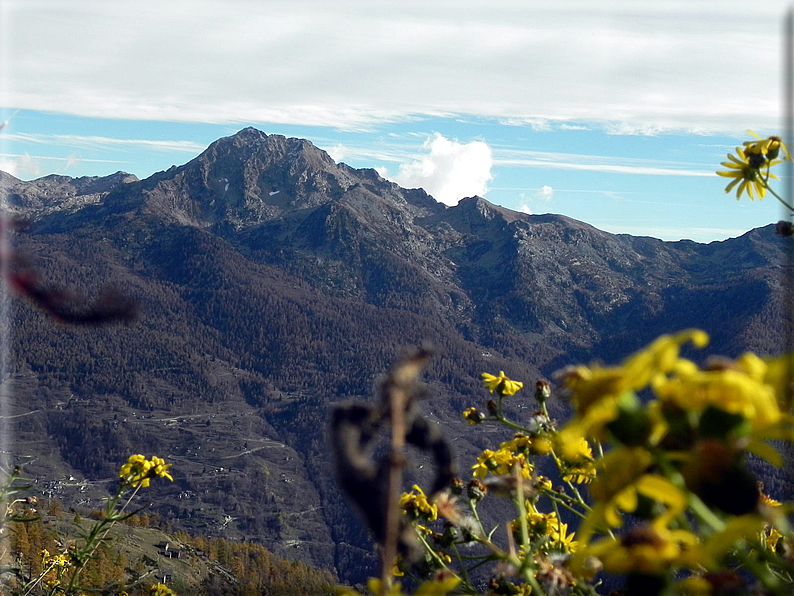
272, 282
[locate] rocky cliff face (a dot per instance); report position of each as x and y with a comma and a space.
55, 193
273, 282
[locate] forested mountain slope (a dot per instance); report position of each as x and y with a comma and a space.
273, 282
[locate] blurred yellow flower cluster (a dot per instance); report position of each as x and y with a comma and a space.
139, 470
501, 462
416, 505
161, 590
658, 439
49, 562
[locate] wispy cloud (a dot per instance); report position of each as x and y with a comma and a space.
98, 142
536, 124
26, 166
597, 163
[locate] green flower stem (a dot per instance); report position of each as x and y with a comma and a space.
528, 574
545, 410
464, 572
502, 420
522, 512
705, 514
552, 495
600, 449
765, 182
526, 570
473, 507
775, 560
762, 572
578, 495
93, 540
41, 576
441, 562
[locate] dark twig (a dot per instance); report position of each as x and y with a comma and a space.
110, 307
375, 487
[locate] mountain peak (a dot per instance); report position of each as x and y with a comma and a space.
252, 141
251, 177
472, 215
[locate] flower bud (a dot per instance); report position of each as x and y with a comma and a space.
784, 228
542, 391
476, 490
451, 534
473, 416
457, 486
492, 408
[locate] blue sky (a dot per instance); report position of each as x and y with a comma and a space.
616, 113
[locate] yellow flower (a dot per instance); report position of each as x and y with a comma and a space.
746, 166
771, 538
734, 387
473, 416
769, 147
745, 169
777, 374
161, 468
501, 462
429, 588
648, 550
547, 524
596, 391
395, 567
417, 505
537, 445
578, 464
501, 384
138, 470
622, 477
563, 540
769, 501
161, 590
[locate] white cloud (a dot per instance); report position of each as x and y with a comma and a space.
72, 161
337, 152
545, 193
542, 195
24, 166
450, 171
8, 166
635, 67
